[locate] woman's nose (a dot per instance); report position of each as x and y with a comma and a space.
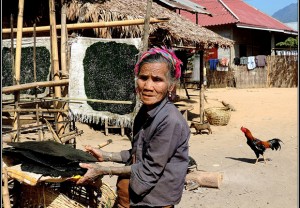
148, 84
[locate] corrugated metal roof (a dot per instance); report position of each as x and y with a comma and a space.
220, 15
185, 5
236, 12
251, 16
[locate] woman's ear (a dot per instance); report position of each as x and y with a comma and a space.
171, 87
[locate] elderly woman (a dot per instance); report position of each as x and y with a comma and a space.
156, 166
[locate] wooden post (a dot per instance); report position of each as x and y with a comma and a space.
55, 63
147, 26
201, 87
18, 66
201, 53
202, 104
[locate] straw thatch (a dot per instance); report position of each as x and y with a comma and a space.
177, 30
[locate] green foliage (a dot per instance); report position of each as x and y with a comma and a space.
289, 42
27, 74
108, 75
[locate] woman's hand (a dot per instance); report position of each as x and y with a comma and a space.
94, 171
97, 153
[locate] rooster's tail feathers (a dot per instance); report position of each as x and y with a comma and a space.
275, 144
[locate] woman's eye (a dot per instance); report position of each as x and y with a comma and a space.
157, 79
143, 78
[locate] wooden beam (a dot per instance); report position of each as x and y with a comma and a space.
147, 26
90, 25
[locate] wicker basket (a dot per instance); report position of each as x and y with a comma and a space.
218, 116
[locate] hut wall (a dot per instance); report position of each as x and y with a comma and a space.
256, 78
220, 79
283, 71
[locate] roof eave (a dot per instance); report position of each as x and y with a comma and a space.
255, 27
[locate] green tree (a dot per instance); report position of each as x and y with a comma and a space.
289, 42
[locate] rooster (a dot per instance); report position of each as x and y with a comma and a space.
259, 146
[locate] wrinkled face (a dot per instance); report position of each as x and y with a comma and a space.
153, 83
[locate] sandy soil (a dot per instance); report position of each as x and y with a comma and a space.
268, 113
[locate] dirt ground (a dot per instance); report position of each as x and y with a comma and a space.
268, 113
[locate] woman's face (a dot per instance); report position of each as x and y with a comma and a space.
153, 83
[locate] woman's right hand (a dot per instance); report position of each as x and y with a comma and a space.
96, 152
94, 171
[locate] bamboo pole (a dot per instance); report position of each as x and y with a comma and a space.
26, 86
5, 191
147, 26
71, 133
54, 134
63, 40
63, 54
26, 129
55, 63
19, 41
18, 65
92, 100
34, 110
90, 25
35, 80
12, 47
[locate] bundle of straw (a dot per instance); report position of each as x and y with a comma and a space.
35, 196
41, 195
108, 196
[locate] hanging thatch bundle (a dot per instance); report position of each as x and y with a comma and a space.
176, 31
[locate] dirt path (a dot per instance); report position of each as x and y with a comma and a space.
268, 113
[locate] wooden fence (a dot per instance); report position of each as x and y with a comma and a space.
280, 71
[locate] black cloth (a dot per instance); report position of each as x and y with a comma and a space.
48, 158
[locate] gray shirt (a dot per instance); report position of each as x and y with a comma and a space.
160, 144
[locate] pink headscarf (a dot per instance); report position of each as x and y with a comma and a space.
167, 53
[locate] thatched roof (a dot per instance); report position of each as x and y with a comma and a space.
176, 31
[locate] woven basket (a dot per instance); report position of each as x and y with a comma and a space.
218, 116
